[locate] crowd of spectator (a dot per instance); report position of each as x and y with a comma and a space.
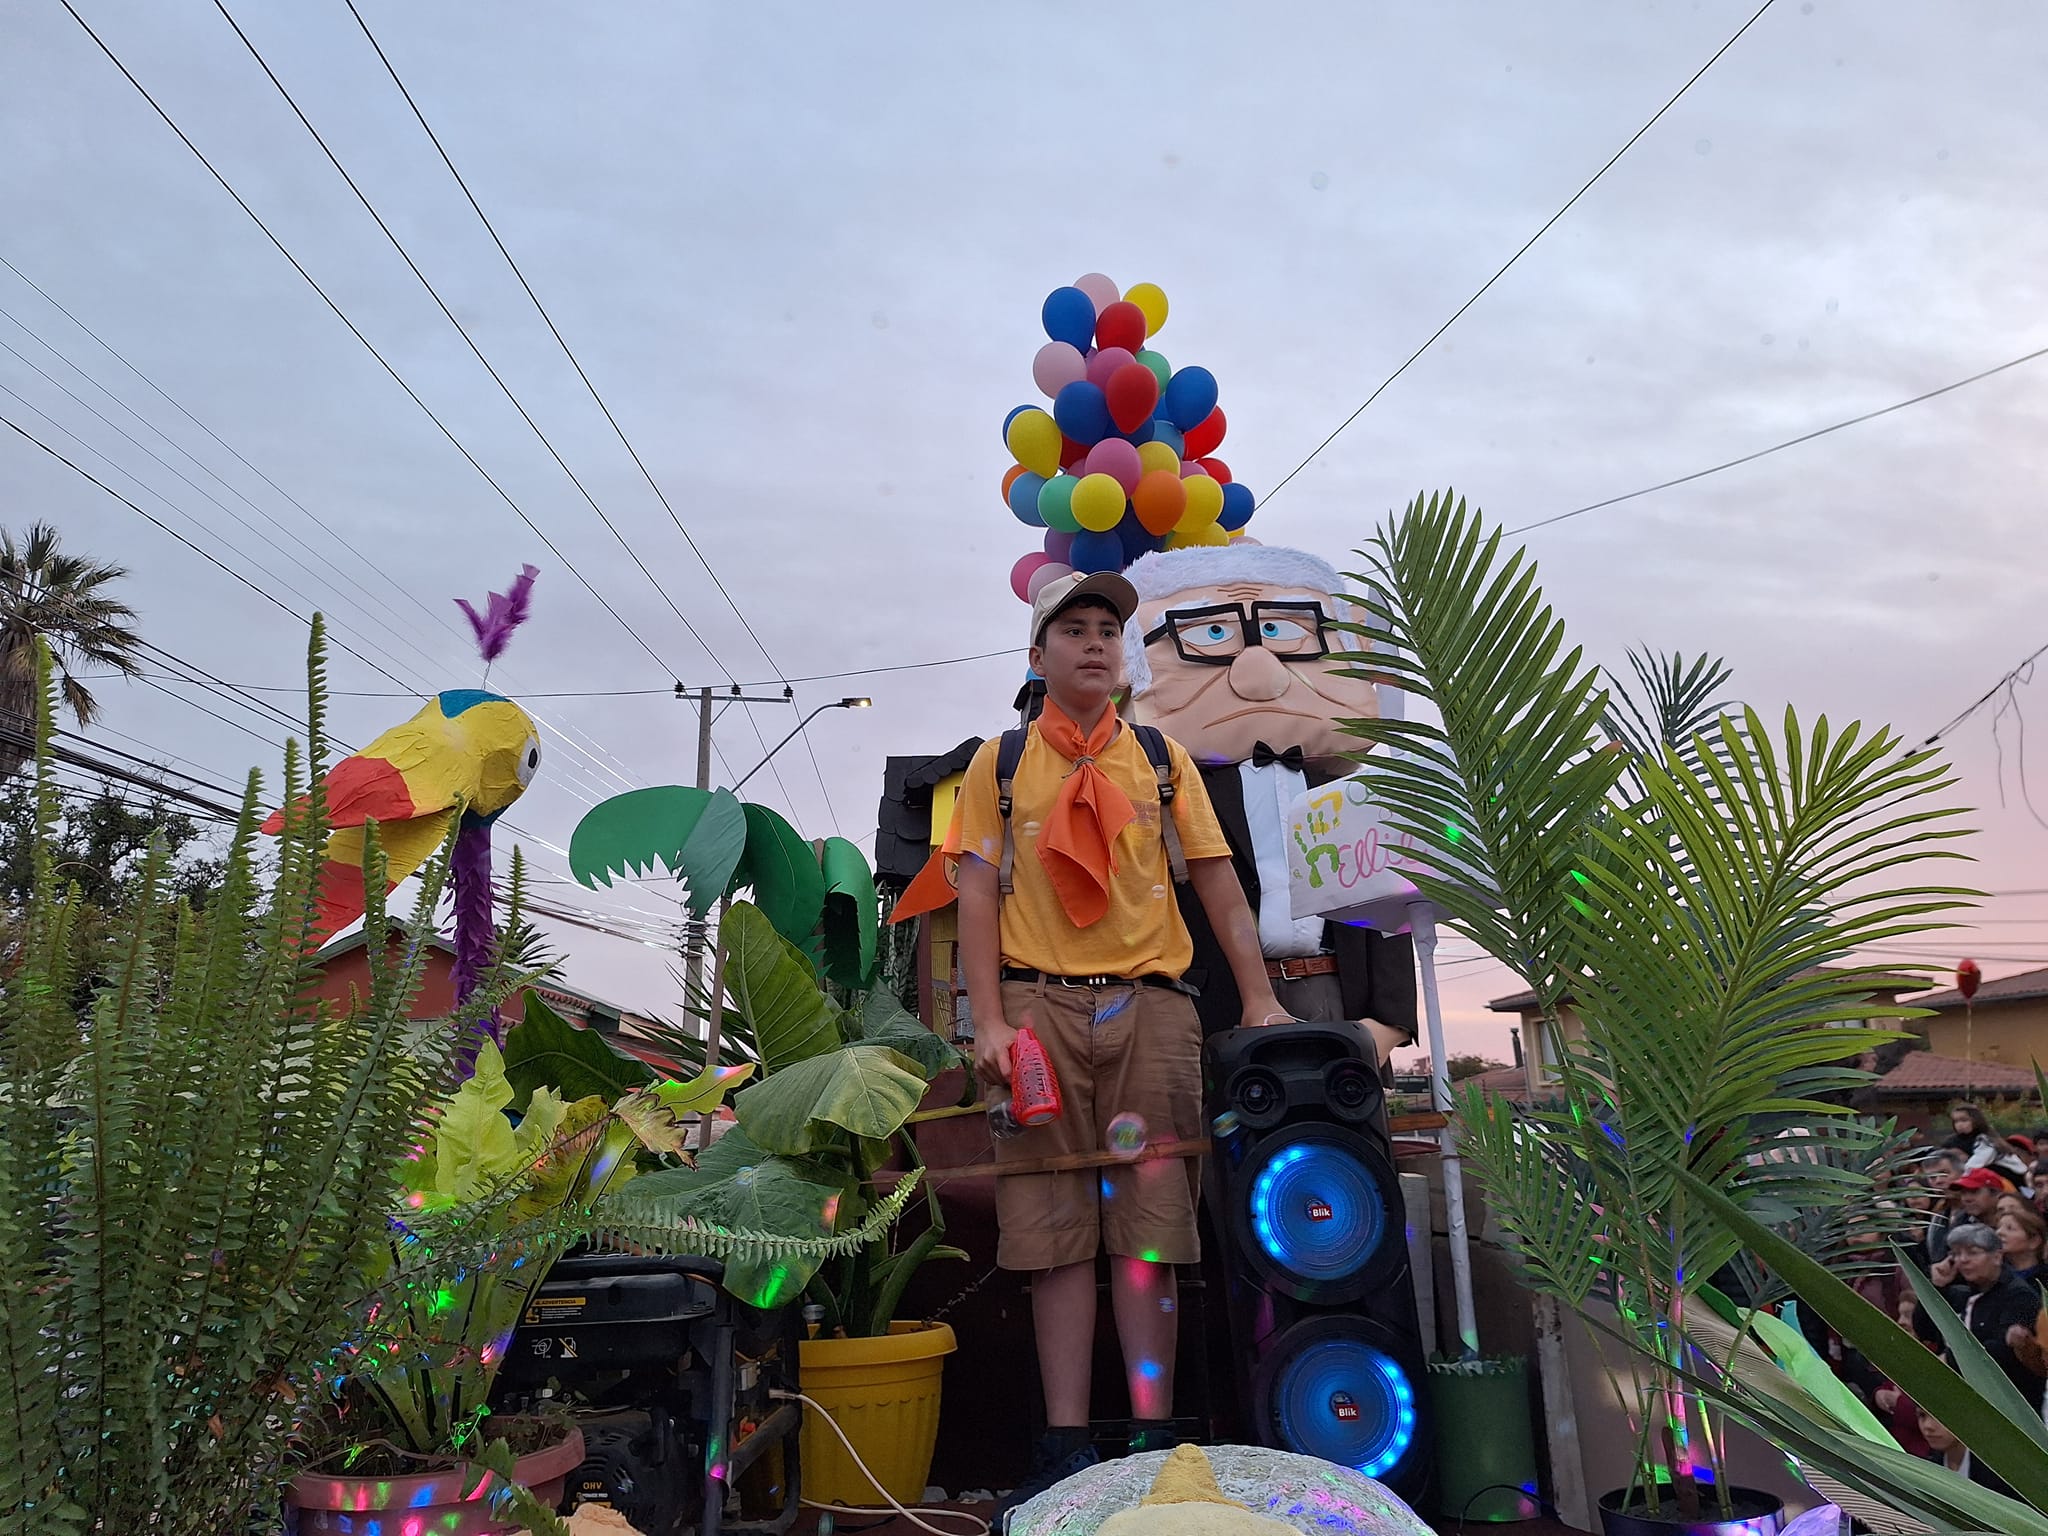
1978, 1231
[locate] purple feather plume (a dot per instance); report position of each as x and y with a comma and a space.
505, 612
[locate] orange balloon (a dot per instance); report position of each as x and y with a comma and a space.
1159, 500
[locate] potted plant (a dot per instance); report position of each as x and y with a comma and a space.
807, 1159
1698, 900
502, 1203
191, 1171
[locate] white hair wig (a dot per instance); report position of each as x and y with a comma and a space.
1167, 572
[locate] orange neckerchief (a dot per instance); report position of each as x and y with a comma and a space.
1078, 844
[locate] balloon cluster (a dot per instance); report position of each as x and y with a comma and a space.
1124, 461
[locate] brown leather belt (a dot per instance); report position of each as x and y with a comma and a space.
1302, 967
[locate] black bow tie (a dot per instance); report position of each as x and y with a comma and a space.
1262, 755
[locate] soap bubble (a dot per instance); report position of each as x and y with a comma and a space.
1127, 1135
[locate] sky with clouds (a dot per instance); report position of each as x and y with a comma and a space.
801, 251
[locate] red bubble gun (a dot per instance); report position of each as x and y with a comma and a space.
1034, 1087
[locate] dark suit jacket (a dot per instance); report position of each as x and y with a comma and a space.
1376, 972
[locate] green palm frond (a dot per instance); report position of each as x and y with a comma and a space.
1694, 883
1505, 787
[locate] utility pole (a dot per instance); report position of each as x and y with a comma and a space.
694, 929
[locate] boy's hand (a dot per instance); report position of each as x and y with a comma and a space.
1261, 1011
992, 1041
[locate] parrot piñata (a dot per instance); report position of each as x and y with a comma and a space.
466, 750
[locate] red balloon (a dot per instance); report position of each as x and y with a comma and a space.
1206, 436
1217, 469
1132, 392
1968, 975
1122, 324
1071, 453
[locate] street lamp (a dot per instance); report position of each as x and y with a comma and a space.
792, 736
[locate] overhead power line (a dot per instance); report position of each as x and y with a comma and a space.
678, 691
367, 344
1790, 442
578, 744
460, 329
1543, 230
2017, 674
590, 385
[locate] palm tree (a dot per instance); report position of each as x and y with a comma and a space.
61, 600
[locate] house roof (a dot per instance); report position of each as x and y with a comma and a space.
1517, 1002
903, 835
2007, 989
1923, 1073
335, 948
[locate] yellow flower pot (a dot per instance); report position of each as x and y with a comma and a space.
885, 1394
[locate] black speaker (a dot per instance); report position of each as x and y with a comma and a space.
1306, 1208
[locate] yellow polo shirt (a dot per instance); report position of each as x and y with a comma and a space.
1142, 933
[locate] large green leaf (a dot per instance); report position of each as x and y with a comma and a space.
884, 1021
737, 1186
768, 1197
2007, 1440
775, 990
544, 1050
782, 869
863, 1090
697, 835
851, 914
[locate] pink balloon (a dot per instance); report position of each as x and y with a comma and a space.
1026, 567
1189, 469
1057, 365
1099, 289
1051, 571
1117, 459
1105, 362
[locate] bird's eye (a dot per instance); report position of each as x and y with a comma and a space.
529, 762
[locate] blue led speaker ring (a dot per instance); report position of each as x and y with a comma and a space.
1338, 1398
1317, 1211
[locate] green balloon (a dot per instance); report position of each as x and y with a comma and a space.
1056, 504
1162, 370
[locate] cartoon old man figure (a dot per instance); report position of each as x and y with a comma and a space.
1233, 654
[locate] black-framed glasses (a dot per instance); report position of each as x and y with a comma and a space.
1218, 634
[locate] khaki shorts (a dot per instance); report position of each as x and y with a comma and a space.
1129, 1061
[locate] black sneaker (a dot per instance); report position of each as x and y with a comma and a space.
1153, 1435
1057, 1456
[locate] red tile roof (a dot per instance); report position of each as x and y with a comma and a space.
1924, 1073
2007, 989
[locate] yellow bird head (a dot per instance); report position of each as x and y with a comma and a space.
495, 743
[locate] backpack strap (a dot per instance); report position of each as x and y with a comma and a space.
1011, 752
1153, 740
1008, 754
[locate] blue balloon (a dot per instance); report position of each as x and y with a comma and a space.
1189, 397
1238, 502
1070, 317
1165, 432
1096, 551
1135, 540
1024, 498
1015, 412
1082, 412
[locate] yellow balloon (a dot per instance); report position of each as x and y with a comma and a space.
1159, 456
1034, 440
1149, 298
1098, 503
1205, 502
1195, 538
